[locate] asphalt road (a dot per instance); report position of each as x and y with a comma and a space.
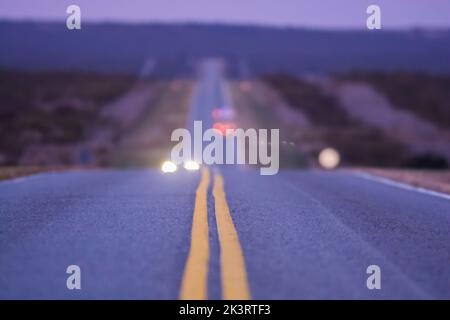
313, 234
127, 230
148, 235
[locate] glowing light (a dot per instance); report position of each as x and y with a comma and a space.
329, 158
168, 167
191, 165
224, 128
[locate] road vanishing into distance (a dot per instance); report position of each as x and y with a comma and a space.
221, 232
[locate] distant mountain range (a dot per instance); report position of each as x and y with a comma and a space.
250, 50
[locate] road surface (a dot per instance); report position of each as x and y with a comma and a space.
223, 232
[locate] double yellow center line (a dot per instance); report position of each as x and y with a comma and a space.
195, 278
233, 273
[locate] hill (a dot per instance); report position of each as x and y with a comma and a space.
113, 47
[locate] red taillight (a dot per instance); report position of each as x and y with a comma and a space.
224, 128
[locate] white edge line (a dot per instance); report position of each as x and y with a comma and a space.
401, 185
35, 175
21, 178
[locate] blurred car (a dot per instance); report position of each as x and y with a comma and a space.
224, 127
223, 114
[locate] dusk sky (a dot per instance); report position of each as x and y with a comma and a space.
301, 13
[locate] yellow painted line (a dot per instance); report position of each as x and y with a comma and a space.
233, 274
195, 277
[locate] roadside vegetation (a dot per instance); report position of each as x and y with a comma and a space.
70, 119
320, 108
426, 95
57, 108
331, 126
148, 142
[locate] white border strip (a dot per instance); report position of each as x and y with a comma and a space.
22, 178
401, 185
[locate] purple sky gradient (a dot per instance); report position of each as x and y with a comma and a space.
302, 13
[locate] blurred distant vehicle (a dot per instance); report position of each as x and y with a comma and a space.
223, 114
224, 128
